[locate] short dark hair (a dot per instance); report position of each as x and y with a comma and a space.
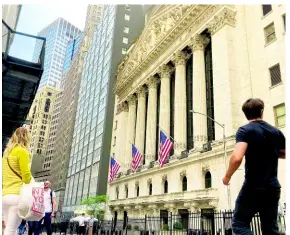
83, 214
252, 108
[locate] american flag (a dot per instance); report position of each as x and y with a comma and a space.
165, 148
137, 157
114, 168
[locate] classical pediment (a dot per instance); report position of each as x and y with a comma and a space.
166, 23
163, 19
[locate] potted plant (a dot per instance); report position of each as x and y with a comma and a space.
165, 227
129, 227
178, 226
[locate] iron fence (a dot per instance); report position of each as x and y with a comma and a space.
200, 223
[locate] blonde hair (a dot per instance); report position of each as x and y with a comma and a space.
20, 137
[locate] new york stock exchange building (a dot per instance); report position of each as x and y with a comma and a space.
187, 74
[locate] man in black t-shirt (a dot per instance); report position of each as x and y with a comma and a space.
262, 145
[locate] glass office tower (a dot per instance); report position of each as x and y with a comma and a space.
57, 35
89, 157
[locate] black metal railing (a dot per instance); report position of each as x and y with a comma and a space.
199, 223
8, 34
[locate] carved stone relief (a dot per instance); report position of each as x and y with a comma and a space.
226, 16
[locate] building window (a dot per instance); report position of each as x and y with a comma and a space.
137, 191
209, 92
126, 191
124, 51
266, 9
208, 180
270, 34
114, 143
275, 75
117, 193
284, 21
48, 93
150, 189
166, 186
47, 105
184, 184
116, 125
280, 115
126, 30
125, 40
127, 17
127, 7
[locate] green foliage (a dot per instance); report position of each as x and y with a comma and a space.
165, 227
178, 226
129, 227
95, 205
136, 228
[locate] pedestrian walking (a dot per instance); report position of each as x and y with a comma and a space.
82, 225
91, 225
50, 206
22, 227
262, 145
15, 172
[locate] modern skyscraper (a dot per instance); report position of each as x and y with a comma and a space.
89, 156
62, 127
57, 36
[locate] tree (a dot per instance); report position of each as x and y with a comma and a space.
96, 205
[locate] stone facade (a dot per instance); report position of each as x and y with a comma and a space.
239, 66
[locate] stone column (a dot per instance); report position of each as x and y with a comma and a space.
164, 114
199, 91
122, 113
180, 127
130, 130
140, 124
226, 81
151, 120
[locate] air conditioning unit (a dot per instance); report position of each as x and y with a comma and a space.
206, 147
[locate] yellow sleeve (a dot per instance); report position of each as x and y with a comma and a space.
24, 166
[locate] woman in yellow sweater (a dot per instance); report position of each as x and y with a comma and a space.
15, 172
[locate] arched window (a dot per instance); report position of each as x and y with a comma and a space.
207, 180
47, 105
184, 184
165, 186
137, 191
117, 193
126, 191
150, 189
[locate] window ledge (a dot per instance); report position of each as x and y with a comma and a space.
269, 43
279, 84
281, 127
263, 17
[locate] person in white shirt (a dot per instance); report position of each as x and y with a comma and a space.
50, 206
82, 225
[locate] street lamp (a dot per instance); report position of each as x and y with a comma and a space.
225, 151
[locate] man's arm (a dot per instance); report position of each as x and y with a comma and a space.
235, 161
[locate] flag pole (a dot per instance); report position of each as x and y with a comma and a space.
167, 134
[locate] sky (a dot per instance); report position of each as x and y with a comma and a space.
34, 17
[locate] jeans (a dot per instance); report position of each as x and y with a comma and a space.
253, 200
34, 226
10, 213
